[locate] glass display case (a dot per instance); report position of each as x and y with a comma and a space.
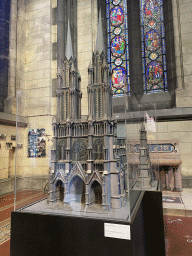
143, 173
94, 168
85, 174
86, 168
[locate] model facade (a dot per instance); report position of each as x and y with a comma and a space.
84, 164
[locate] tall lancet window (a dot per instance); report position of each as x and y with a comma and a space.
118, 53
153, 46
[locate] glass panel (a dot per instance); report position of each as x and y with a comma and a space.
153, 46
142, 149
118, 43
87, 171
154, 146
132, 151
31, 148
122, 159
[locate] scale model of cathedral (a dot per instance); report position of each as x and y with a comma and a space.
84, 168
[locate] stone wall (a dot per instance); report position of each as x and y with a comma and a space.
38, 83
6, 186
38, 58
54, 57
183, 41
30, 72
7, 157
23, 183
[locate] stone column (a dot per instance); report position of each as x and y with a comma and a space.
58, 104
79, 111
178, 42
87, 196
60, 110
90, 102
166, 180
52, 190
66, 192
105, 206
176, 179
10, 102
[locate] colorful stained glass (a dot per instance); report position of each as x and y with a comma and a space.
151, 8
117, 16
116, 2
118, 46
153, 55
153, 46
118, 61
152, 40
117, 31
118, 77
154, 72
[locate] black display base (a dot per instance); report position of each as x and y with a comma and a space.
38, 234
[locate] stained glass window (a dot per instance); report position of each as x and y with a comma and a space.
153, 46
118, 55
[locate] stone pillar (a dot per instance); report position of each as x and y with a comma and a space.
90, 102
58, 193
66, 191
105, 205
155, 173
10, 101
176, 179
166, 180
87, 198
90, 149
57, 94
52, 195
68, 147
79, 110
60, 110
178, 44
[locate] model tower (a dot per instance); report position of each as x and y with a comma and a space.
144, 161
68, 91
84, 168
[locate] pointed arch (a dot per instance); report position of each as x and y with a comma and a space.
95, 193
62, 150
95, 176
77, 190
98, 149
59, 190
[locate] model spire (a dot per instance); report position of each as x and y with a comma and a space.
144, 161
99, 41
69, 49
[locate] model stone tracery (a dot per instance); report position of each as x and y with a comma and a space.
83, 154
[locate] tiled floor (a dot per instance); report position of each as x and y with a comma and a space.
5, 230
178, 209
6, 207
178, 235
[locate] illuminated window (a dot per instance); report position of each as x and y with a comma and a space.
153, 46
118, 53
